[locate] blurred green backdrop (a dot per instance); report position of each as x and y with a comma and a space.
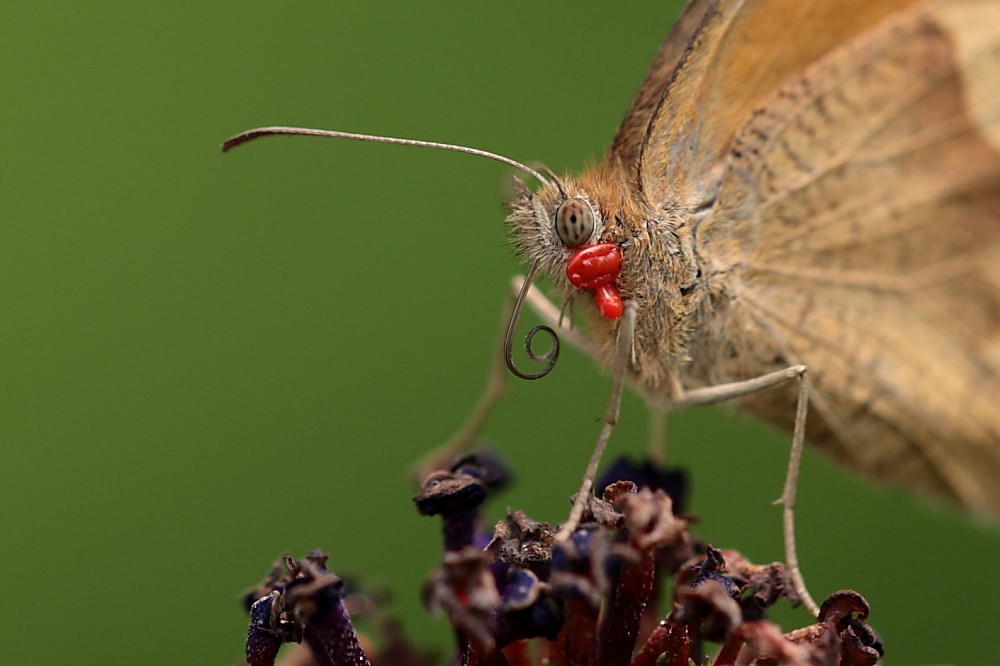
208, 360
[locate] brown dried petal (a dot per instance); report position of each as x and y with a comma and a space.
710, 603
809, 634
839, 638
444, 492
764, 644
769, 581
522, 542
308, 581
856, 650
844, 604
650, 519
618, 489
601, 512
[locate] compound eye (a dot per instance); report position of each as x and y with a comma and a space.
574, 222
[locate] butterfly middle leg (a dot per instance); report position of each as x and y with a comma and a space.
721, 392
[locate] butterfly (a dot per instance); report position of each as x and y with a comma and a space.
819, 184
798, 187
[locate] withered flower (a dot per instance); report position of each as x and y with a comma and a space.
590, 600
306, 603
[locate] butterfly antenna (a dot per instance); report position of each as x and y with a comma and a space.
260, 132
555, 179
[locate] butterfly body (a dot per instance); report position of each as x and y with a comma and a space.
827, 196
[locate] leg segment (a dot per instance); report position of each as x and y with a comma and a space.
712, 394
623, 351
467, 436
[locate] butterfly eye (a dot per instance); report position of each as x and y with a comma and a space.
574, 222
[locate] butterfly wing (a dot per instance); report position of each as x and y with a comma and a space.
628, 141
855, 226
740, 51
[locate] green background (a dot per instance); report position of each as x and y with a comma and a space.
207, 360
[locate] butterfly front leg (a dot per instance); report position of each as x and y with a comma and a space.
551, 315
467, 436
623, 355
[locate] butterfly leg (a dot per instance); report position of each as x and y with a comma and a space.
547, 311
623, 352
467, 436
720, 392
658, 422
551, 316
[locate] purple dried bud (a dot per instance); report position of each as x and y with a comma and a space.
262, 640
711, 568
577, 565
486, 466
522, 589
709, 597
580, 577
648, 474
527, 609
305, 603
315, 598
593, 596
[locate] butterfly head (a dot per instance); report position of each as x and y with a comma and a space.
560, 229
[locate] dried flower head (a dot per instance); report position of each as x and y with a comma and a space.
590, 600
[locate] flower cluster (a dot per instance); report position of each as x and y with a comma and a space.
521, 597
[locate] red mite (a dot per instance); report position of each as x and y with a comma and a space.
596, 267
